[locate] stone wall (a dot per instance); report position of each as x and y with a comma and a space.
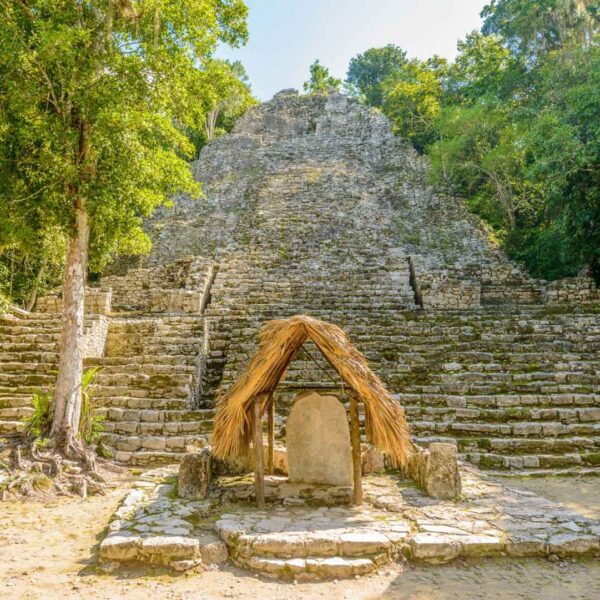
177, 287
97, 302
572, 290
94, 340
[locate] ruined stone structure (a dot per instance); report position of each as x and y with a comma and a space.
313, 206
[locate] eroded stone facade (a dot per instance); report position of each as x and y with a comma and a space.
313, 206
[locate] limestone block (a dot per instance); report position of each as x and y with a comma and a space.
442, 479
165, 549
571, 543
195, 474
369, 542
120, 547
337, 566
214, 553
187, 565
372, 460
283, 545
435, 547
280, 459
318, 441
233, 466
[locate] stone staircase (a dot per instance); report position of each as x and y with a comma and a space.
245, 294
28, 360
146, 388
515, 387
314, 207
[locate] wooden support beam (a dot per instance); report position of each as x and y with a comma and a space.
356, 451
259, 471
271, 433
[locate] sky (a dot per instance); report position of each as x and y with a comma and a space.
286, 36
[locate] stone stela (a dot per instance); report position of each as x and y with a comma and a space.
318, 441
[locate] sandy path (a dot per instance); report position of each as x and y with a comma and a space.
47, 552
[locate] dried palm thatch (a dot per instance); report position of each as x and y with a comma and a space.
279, 341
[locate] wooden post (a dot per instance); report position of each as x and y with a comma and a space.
356, 451
271, 431
259, 471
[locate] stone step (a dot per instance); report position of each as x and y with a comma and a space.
490, 401
536, 417
173, 445
569, 462
145, 378
517, 430
173, 371
16, 379
24, 367
29, 357
15, 413
159, 429
142, 403
560, 449
15, 402
22, 390
12, 426
318, 544
334, 567
142, 360
25, 347
119, 414
142, 389
142, 458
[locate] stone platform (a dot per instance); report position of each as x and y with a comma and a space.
303, 541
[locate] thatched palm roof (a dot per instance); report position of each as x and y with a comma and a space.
279, 341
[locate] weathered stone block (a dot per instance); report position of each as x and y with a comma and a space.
318, 441
372, 460
195, 474
435, 547
442, 479
214, 553
120, 547
166, 549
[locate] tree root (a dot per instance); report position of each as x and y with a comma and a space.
65, 469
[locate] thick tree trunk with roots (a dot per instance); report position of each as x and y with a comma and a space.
67, 394
66, 462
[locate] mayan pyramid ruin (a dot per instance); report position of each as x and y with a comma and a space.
312, 206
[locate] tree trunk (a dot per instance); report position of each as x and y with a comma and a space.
67, 394
211, 123
38, 279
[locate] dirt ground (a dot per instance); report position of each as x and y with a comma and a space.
48, 550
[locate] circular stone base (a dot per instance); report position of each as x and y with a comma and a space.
300, 543
316, 542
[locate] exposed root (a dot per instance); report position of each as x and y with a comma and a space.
67, 469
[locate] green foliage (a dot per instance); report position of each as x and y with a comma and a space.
96, 103
90, 426
484, 68
369, 70
533, 28
31, 262
321, 81
412, 100
225, 94
38, 423
513, 126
